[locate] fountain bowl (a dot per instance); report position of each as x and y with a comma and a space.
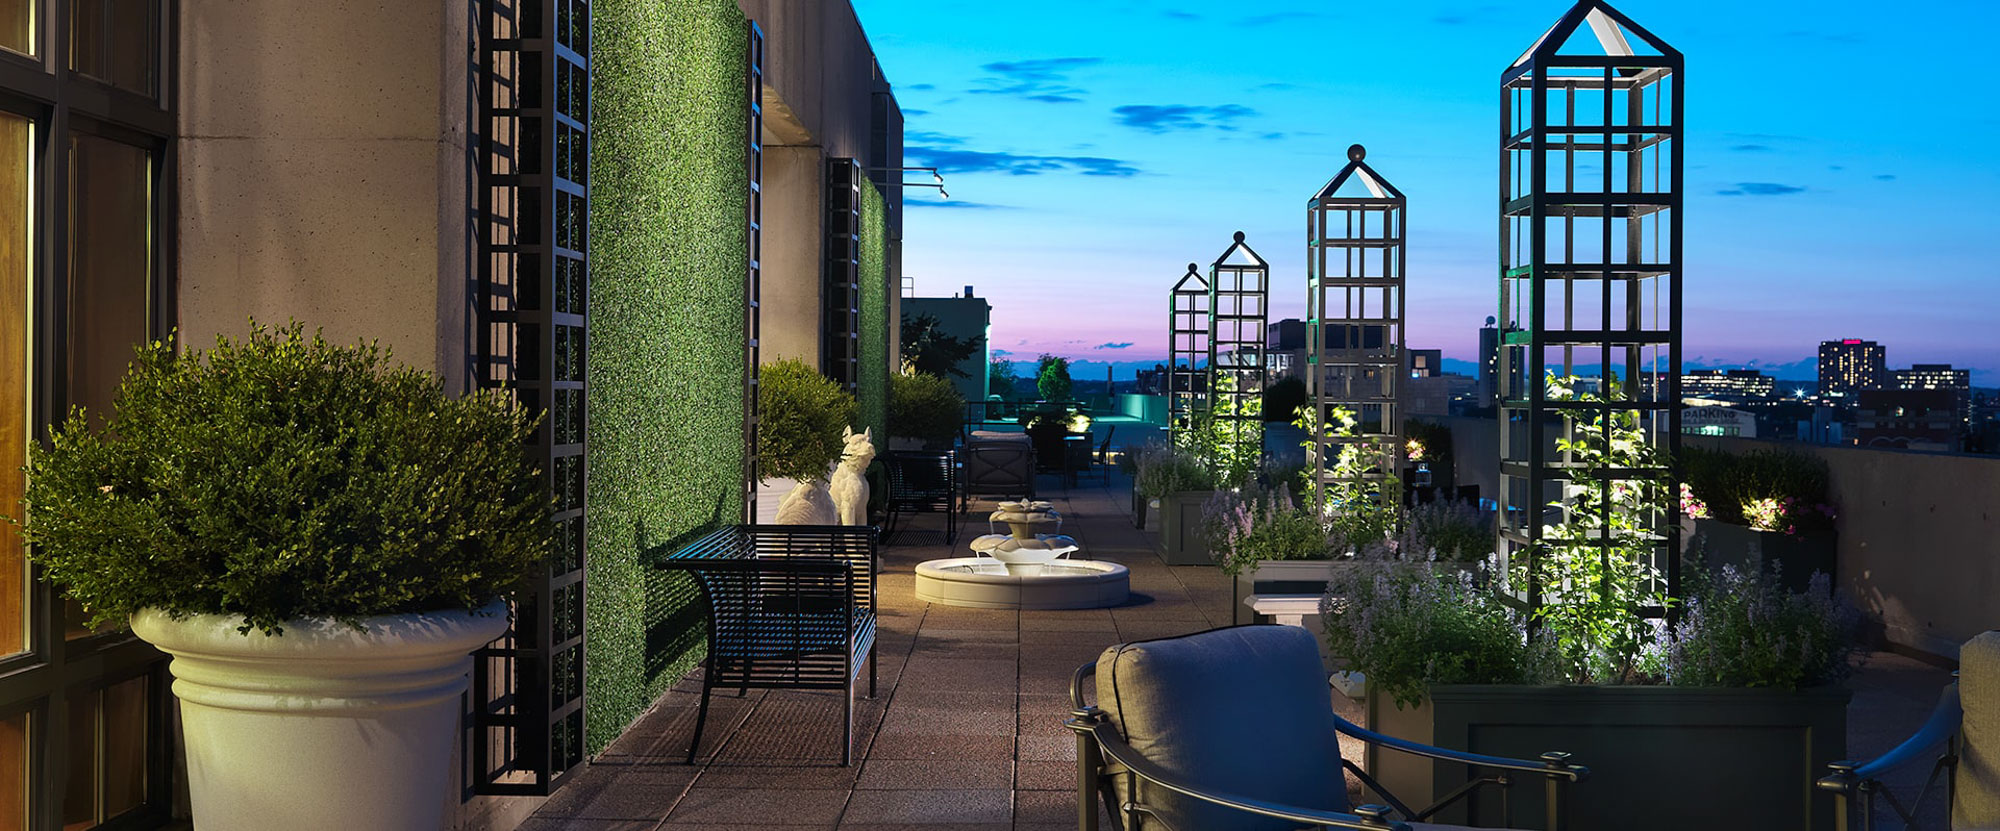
985, 583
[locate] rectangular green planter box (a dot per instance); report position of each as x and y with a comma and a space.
1181, 540
1719, 543
1660, 758
1139, 501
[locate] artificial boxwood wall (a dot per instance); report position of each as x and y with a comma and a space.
668, 252
872, 393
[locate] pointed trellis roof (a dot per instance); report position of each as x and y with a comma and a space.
1239, 247
1194, 274
1357, 169
1614, 31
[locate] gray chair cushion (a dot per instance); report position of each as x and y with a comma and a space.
1977, 804
1243, 710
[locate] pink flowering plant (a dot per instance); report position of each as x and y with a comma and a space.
1768, 490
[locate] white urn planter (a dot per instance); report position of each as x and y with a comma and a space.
325, 727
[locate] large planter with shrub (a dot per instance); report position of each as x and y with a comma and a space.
1183, 541
318, 538
1716, 543
1666, 758
327, 726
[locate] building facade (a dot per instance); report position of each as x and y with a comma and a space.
969, 318
1732, 384
1850, 365
687, 196
1958, 382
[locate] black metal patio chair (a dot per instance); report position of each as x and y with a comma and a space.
922, 482
999, 468
790, 607
1961, 743
1233, 728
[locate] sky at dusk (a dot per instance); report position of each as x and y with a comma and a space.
1840, 173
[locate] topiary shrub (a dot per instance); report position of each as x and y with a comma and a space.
803, 414
924, 406
278, 477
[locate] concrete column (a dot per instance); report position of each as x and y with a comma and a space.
794, 255
324, 172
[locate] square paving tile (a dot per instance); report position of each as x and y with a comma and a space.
929, 807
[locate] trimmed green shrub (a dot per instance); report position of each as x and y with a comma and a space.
1777, 490
924, 406
278, 477
803, 416
669, 191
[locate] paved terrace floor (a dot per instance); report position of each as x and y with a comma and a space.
965, 730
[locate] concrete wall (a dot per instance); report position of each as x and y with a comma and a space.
1919, 546
323, 172
794, 254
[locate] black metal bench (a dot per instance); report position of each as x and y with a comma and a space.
789, 607
922, 482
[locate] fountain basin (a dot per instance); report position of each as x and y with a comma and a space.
983, 583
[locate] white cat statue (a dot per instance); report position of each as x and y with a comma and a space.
807, 504
850, 481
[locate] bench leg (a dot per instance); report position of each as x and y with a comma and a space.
701, 719
847, 729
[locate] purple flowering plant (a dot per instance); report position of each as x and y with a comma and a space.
1407, 625
1748, 630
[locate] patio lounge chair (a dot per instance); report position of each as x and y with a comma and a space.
790, 607
1234, 728
1960, 741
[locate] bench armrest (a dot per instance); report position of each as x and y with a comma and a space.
1938, 729
1554, 765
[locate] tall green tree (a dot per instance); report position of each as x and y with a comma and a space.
1001, 379
927, 347
1052, 378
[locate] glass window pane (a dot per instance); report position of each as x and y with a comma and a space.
14, 771
17, 27
115, 41
79, 801
125, 746
16, 412
111, 265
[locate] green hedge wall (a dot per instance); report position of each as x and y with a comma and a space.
668, 248
873, 392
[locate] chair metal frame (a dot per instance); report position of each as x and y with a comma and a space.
921, 498
1102, 754
789, 607
1854, 782
972, 456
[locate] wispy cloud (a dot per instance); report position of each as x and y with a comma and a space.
1041, 79
1277, 17
1278, 86
1753, 148
954, 204
920, 87
1125, 345
911, 113
1461, 17
1885, 177
1761, 189
955, 160
1177, 14
1160, 118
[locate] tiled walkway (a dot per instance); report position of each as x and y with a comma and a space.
965, 732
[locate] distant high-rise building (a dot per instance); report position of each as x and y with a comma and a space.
1489, 362
1851, 365
1908, 419
1939, 377
1426, 363
1744, 384
1284, 349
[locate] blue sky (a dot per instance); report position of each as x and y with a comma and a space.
1840, 174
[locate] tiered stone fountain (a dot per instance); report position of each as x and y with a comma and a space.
1023, 569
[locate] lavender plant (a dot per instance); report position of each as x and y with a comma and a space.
1407, 627
1747, 630
1450, 532
1248, 526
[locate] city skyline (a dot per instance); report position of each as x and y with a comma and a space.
1125, 147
